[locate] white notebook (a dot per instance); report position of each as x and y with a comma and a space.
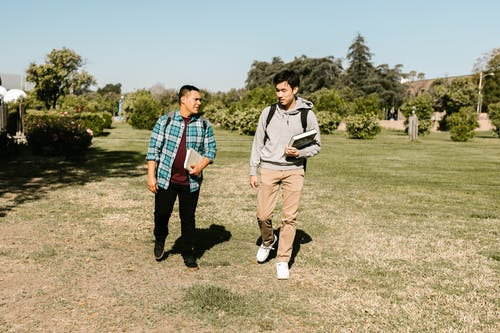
192, 157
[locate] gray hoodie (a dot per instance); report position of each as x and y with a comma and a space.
282, 127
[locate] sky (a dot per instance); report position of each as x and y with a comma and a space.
212, 44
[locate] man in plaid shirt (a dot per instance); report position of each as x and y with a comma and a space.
172, 135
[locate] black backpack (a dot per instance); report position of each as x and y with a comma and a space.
303, 119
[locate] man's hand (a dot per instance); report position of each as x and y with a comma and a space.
152, 184
254, 182
152, 181
291, 151
196, 170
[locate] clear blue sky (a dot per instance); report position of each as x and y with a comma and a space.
212, 44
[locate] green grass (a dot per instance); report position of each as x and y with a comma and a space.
392, 236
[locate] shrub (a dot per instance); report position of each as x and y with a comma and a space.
494, 115
328, 121
95, 121
364, 126
142, 110
56, 134
367, 105
246, 120
462, 124
330, 100
424, 109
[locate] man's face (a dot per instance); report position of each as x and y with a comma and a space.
192, 101
285, 93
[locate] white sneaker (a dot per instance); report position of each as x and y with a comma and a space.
264, 251
282, 272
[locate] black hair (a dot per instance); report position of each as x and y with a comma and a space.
289, 76
185, 89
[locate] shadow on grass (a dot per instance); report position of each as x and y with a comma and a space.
204, 240
30, 177
301, 237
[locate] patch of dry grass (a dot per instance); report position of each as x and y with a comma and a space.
393, 237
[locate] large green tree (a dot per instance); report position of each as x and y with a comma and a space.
314, 73
491, 88
360, 68
60, 75
386, 83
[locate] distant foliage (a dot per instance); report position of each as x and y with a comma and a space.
89, 102
462, 124
362, 126
56, 134
494, 115
314, 73
243, 115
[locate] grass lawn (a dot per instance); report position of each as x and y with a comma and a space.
392, 236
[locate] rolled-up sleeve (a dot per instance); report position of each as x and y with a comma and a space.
209, 145
156, 141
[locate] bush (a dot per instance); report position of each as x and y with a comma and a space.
95, 121
494, 115
246, 120
142, 110
462, 124
364, 126
330, 100
328, 121
424, 109
367, 105
56, 134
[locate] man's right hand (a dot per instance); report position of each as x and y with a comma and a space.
254, 182
152, 184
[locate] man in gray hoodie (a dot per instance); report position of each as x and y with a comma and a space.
281, 166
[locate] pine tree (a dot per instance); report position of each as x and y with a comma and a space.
360, 67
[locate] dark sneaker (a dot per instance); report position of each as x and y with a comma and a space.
190, 262
159, 249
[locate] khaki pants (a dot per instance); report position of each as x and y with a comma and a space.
291, 182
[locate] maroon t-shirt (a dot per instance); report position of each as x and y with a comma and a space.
179, 174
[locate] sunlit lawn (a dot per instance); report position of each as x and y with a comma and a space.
392, 236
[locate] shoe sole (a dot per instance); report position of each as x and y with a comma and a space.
160, 257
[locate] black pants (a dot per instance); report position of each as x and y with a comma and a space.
164, 204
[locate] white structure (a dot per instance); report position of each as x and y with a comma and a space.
16, 96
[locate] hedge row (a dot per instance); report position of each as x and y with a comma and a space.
50, 133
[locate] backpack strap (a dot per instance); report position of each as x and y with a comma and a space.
270, 115
303, 118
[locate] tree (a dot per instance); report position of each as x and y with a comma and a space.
386, 83
110, 88
491, 88
314, 73
452, 95
60, 75
360, 66
261, 73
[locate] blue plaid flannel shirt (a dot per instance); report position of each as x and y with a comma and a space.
165, 140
